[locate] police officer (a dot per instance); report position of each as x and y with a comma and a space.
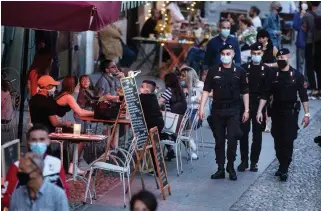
284, 85
227, 81
257, 74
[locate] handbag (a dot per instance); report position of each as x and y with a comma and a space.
107, 110
172, 122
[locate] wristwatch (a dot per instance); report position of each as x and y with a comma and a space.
307, 115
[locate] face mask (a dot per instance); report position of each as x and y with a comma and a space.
251, 15
279, 9
38, 148
304, 6
183, 83
256, 59
225, 32
226, 59
23, 178
282, 63
51, 92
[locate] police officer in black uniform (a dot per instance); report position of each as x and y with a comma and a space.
257, 74
284, 85
228, 82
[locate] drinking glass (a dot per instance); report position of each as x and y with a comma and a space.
89, 131
58, 130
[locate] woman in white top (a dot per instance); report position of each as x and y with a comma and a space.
193, 88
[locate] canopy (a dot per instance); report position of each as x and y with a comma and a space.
73, 16
127, 5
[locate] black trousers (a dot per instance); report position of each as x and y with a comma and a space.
313, 64
257, 129
226, 123
284, 131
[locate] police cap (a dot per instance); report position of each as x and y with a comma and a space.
283, 51
256, 47
227, 47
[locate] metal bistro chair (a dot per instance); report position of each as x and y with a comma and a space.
10, 126
178, 141
188, 130
122, 169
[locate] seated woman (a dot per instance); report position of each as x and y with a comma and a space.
174, 100
6, 103
66, 102
86, 97
193, 89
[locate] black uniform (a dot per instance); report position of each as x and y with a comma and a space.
284, 86
257, 75
227, 85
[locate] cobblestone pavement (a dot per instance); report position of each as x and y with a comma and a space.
302, 191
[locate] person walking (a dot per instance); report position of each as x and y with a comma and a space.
272, 24
284, 85
257, 73
228, 81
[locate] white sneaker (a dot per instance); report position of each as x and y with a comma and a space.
194, 156
192, 144
71, 170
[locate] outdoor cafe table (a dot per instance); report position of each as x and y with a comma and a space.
75, 140
123, 121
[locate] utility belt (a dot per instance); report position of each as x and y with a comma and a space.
218, 105
295, 106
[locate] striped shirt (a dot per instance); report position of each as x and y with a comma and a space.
167, 95
49, 198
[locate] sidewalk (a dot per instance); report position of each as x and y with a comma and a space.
194, 190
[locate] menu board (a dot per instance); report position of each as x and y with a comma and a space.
10, 153
159, 160
135, 110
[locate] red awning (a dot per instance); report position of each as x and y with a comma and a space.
73, 16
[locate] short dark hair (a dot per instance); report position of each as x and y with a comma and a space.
256, 10
315, 3
152, 83
37, 127
104, 64
147, 198
5, 85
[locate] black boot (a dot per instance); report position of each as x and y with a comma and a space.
253, 167
243, 166
232, 174
219, 174
283, 177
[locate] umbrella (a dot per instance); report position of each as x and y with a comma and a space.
73, 16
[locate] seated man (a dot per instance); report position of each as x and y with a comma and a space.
36, 192
109, 82
152, 113
43, 106
38, 141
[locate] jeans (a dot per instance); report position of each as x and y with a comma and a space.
300, 58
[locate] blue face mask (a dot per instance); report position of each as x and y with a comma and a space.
225, 32
38, 148
183, 83
256, 59
226, 59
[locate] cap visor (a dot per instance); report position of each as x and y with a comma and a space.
55, 83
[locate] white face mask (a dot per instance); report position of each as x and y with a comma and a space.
51, 92
304, 6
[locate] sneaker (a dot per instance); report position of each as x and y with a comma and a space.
194, 156
192, 144
71, 170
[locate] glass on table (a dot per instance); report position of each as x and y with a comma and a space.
89, 131
58, 130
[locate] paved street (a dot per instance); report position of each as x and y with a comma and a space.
194, 190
